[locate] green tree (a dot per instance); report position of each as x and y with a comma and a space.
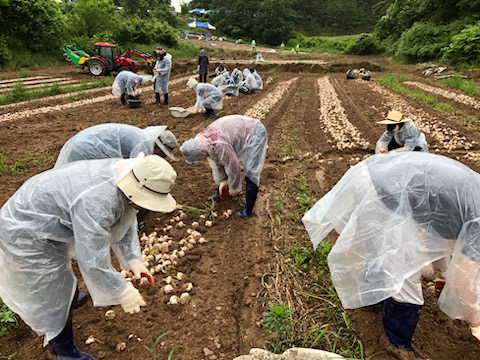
88, 18
31, 25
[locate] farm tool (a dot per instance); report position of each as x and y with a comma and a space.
108, 58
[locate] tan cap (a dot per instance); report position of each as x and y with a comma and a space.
149, 183
393, 117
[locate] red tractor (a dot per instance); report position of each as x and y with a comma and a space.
107, 58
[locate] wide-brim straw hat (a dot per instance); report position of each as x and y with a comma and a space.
393, 117
149, 183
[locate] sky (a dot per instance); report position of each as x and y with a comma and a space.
176, 4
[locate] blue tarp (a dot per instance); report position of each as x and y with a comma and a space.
201, 24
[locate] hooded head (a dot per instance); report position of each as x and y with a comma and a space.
167, 142
149, 183
191, 83
192, 150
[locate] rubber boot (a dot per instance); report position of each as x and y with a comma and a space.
250, 198
62, 346
123, 100
157, 98
81, 298
210, 113
165, 99
399, 321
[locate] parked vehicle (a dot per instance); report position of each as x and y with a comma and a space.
108, 58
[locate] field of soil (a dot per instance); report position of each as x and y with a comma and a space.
319, 124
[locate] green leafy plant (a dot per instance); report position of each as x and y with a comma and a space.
304, 201
153, 349
9, 357
278, 327
302, 257
278, 204
8, 319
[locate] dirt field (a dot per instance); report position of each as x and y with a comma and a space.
319, 124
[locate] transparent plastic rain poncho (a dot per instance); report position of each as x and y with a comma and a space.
75, 211
109, 141
125, 82
249, 81
409, 137
221, 79
395, 214
233, 139
164, 67
208, 96
258, 79
233, 84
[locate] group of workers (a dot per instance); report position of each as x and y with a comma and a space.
88, 205
395, 212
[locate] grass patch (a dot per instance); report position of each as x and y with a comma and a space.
303, 198
421, 96
20, 93
21, 164
467, 86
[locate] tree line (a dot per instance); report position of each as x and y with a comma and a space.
412, 30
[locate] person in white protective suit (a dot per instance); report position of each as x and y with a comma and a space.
125, 86
249, 83
113, 140
257, 77
162, 70
401, 135
226, 143
394, 215
208, 97
81, 210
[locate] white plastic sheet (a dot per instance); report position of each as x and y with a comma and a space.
394, 215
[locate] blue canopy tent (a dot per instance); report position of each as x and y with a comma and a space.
198, 11
201, 25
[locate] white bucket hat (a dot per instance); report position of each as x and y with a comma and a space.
149, 183
191, 82
167, 142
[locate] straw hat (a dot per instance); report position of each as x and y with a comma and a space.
393, 117
149, 183
167, 142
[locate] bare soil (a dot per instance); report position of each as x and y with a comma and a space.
243, 267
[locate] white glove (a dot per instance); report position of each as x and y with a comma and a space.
233, 192
475, 331
131, 300
139, 270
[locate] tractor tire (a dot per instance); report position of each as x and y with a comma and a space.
96, 68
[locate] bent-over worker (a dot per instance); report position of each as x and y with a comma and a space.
226, 143
81, 210
208, 97
125, 86
394, 215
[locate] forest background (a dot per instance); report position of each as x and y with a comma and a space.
411, 31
